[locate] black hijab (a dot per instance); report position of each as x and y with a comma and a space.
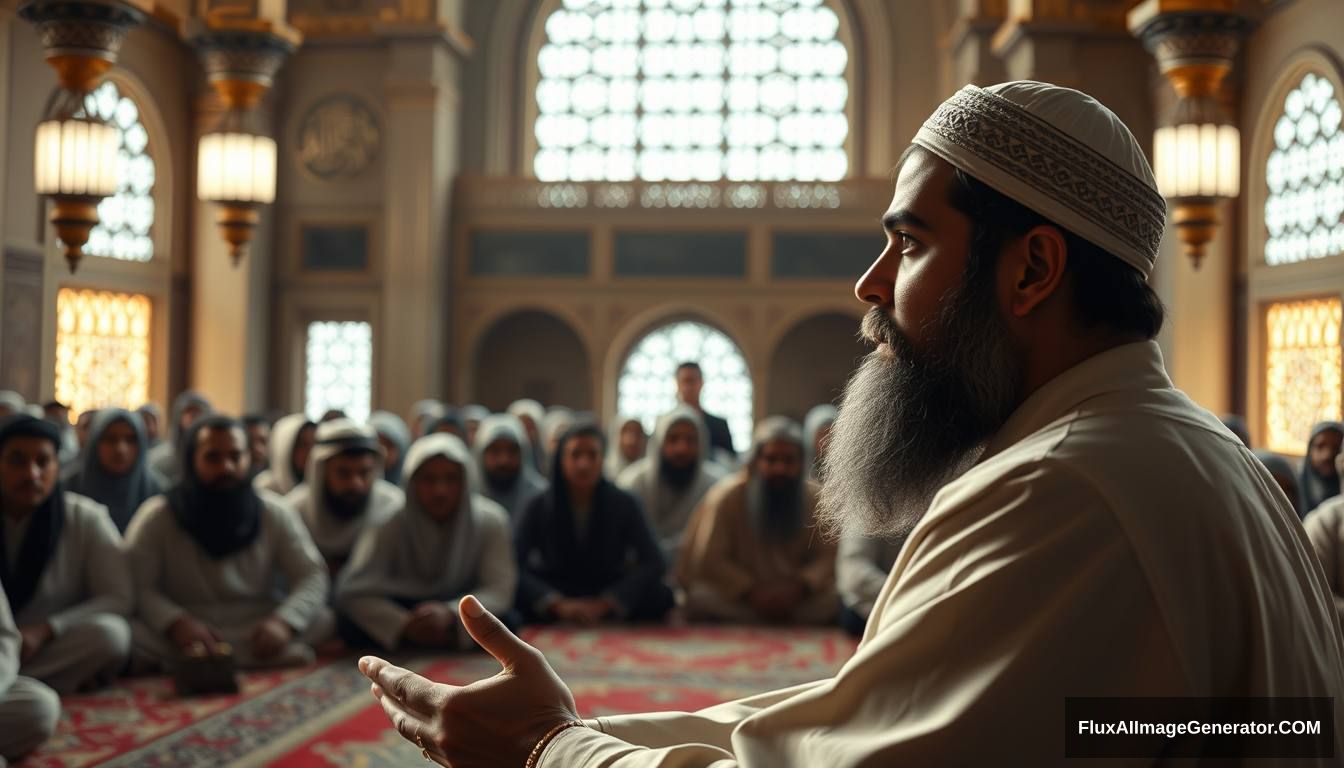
1313, 488
20, 578
224, 521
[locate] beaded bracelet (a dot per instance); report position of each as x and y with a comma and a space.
533, 758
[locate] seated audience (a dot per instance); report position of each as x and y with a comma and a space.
752, 553
395, 437
674, 475
585, 551
166, 458
114, 469
62, 566
504, 457
448, 422
861, 567
423, 413
151, 414
292, 440
625, 446
531, 414
209, 557
58, 413
11, 403
1325, 529
29, 710
1320, 479
472, 416
556, 423
344, 493
405, 576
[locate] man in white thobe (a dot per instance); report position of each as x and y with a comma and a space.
1077, 526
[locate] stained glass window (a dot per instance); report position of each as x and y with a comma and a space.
681, 90
125, 218
102, 349
647, 387
1304, 212
1302, 370
339, 365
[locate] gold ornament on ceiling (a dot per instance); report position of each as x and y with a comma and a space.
339, 138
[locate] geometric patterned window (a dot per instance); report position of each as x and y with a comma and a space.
747, 90
647, 387
338, 367
125, 218
1304, 211
1302, 370
102, 349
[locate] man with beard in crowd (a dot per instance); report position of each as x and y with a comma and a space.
61, 564
1077, 526
345, 493
504, 456
674, 475
207, 558
751, 551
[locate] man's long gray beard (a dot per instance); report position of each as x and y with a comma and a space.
911, 422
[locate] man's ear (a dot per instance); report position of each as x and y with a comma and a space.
1036, 268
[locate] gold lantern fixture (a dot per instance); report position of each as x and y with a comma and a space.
1197, 148
236, 160
76, 155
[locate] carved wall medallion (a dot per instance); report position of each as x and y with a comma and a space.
338, 138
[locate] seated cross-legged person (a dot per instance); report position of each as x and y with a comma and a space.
29, 710
752, 552
62, 566
405, 576
208, 560
585, 552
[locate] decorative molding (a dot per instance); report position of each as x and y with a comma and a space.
339, 137
478, 193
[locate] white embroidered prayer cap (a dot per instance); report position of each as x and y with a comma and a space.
1062, 154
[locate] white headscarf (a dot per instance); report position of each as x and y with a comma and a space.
616, 462
530, 482
335, 537
426, 558
668, 509
817, 418
279, 476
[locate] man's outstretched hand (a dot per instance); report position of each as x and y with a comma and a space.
491, 722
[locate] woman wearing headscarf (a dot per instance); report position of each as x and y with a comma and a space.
504, 458
292, 440
405, 577
585, 551
395, 438
816, 429
113, 470
625, 445
208, 556
1320, 479
166, 457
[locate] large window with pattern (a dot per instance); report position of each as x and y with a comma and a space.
102, 349
647, 386
1304, 208
1302, 370
125, 218
338, 368
681, 90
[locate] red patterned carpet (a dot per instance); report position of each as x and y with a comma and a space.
324, 715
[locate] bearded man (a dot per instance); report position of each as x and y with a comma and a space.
1077, 526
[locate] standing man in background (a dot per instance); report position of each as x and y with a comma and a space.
690, 380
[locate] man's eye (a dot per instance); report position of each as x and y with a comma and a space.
906, 242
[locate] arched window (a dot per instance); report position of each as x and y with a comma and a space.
102, 349
1304, 210
680, 90
125, 218
647, 386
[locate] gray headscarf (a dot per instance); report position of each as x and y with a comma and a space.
122, 495
530, 482
280, 476
390, 426
616, 462
167, 456
1313, 488
423, 557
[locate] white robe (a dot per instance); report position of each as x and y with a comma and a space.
1115, 540
86, 595
334, 537
175, 577
1325, 529
29, 710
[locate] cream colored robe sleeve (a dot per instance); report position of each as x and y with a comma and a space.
1007, 596
10, 644
1325, 529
